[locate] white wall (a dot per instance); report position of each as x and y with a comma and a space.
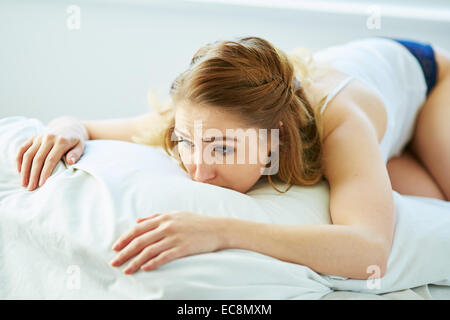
123, 48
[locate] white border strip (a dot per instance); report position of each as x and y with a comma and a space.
346, 7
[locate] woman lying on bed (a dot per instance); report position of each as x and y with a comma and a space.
331, 124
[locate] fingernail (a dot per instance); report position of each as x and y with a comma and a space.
72, 160
128, 270
114, 246
139, 220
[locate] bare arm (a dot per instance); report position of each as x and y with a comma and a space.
361, 208
116, 129
339, 250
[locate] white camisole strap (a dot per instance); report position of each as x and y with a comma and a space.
335, 91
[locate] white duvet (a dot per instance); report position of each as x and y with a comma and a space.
55, 242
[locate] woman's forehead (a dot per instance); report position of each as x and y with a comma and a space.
211, 124
189, 118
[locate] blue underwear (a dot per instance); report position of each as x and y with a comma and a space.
424, 53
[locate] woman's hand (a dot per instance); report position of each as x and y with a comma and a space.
161, 238
39, 155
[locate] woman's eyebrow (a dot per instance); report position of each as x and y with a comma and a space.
182, 133
209, 139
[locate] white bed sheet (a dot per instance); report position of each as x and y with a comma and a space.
425, 292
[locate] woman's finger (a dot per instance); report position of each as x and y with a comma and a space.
75, 153
136, 231
50, 163
27, 161
139, 220
145, 255
55, 155
38, 163
163, 258
24, 147
136, 246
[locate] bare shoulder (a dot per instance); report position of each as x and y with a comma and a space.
356, 102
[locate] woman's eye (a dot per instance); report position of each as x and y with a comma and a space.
221, 149
224, 149
186, 142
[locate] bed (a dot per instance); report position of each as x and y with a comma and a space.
55, 242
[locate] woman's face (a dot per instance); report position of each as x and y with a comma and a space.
217, 148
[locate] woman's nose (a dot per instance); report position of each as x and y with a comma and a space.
204, 173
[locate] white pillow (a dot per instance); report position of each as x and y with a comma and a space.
82, 209
64, 230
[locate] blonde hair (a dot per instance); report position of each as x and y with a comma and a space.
251, 78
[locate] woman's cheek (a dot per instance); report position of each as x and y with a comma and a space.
190, 168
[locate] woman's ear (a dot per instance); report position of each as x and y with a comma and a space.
281, 128
280, 132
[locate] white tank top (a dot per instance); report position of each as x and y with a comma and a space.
392, 72
335, 91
